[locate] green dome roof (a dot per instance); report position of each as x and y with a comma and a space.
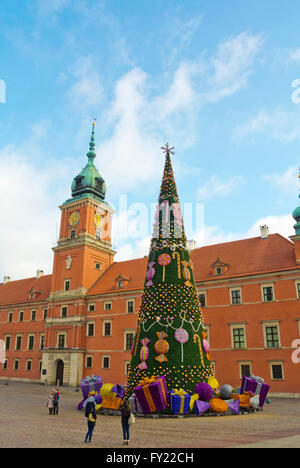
89, 180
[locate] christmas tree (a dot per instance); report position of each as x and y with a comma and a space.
170, 338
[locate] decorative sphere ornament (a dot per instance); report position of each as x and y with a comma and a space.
225, 392
204, 391
181, 335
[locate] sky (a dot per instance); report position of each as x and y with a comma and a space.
218, 80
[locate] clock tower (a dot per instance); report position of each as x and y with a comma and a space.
83, 252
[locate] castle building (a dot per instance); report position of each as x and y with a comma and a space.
81, 319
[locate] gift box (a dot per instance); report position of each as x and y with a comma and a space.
152, 394
109, 402
244, 399
180, 402
256, 385
90, 384
234, 406
118, 390
201, 407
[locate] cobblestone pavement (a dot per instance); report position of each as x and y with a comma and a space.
25, 422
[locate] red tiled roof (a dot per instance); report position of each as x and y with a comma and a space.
244, 257
16, 292
248, 256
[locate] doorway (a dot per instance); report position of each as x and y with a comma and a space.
59, 373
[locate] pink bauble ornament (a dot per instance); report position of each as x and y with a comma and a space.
181, 335
206, 346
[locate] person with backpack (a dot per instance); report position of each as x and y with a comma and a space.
90, 414
125, 416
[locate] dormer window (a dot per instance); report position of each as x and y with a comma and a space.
78, 181
121, 283
219, 268
99, 184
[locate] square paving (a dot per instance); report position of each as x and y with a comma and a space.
25, 422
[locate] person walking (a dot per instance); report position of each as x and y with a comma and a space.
125, 415
55, 401
50, 403
90, 414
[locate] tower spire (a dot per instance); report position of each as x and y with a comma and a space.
91, 154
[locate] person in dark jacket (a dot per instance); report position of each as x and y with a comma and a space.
125, 415
55, 401
90, 413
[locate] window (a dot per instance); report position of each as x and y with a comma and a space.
90, 329
276, 369
28, 365
16, 364
10, 316
21, 316
130, 307
245, 370
64, 312
202, 299
73, 233
272, 336
7, 343
238, 335
78, 181
218, 271
107, 305
127, 367
105, 362
106, 328
45, 314
298, 290
98, 266
98, 235
67, 285
268, 293
5, 364
91, 307
129, 339
30, 342
33, 315
120, 284
61, 341
42, 342
18, 343
89, 362
236, 296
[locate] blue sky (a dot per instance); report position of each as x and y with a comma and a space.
214, 79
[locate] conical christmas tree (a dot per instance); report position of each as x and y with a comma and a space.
170, 338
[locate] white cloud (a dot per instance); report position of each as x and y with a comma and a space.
281, 125
294, 55
286, 182
219, 187
86, 93
232, 65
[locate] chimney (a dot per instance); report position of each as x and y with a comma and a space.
264, 231
39, 274
191, 245
6, 279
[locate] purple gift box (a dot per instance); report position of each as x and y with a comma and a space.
152, 396
255, 385
90, 384
119, 391
234, 406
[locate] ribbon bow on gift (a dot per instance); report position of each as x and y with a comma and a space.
180, 392
148, 380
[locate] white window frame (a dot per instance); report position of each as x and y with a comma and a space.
241, 297
107, 303
128, 331
297, 284
271, 324
203, 293
28, 340
267, 285
61, 311
127, 306
58, 334
90, 322
276, 363
18, 361
237, 326
31, 313
68, 280
92, 305
244, 363
89, 356
103, 328
18, 335
126, 365
27, 361
104, 356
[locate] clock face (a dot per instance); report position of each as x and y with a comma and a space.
98, 220
74, 218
